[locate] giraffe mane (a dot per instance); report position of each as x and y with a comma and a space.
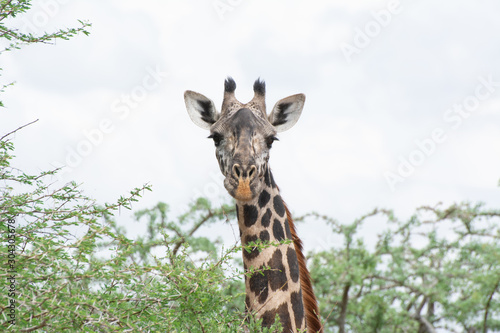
310, 304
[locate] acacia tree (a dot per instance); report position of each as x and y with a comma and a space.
437, 272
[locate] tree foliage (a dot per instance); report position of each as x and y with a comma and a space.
14, 38
10, 9
438, 271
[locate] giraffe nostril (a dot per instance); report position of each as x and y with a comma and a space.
252, 171
237, 170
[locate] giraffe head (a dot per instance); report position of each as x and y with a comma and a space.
243, 134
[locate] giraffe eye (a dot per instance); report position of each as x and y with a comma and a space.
217, 138
270, 140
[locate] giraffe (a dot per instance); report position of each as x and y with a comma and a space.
277, 281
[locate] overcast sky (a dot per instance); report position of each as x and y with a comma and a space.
402, 108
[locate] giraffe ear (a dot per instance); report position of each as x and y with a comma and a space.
287, 112
201, 109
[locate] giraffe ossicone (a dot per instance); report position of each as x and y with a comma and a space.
277, 280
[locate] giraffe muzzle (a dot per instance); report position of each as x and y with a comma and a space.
244, 176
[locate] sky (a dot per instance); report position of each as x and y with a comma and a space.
402, 100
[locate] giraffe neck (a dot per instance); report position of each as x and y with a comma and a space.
272, 274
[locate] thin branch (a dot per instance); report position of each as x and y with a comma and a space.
2, 14
17, 129
487, 309
425, 322
34, 328
196, 227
